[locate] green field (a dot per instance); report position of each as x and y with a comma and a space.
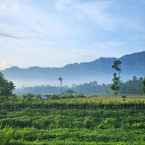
72, 121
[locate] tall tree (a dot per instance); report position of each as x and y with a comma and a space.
116, 76
6, 87
116, 84
143, 85
61, 83
117, 66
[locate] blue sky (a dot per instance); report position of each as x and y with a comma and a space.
58, 32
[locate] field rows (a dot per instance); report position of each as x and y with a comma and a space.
72, 126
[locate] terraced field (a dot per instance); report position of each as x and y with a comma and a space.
72, 121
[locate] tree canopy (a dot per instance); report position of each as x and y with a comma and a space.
6, 87
116, 76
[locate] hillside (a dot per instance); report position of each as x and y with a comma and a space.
99, 70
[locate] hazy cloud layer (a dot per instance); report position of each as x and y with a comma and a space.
56, 32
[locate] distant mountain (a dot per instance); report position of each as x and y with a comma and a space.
99, 70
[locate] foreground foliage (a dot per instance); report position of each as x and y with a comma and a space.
72, 121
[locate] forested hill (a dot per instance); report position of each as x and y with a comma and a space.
99, 70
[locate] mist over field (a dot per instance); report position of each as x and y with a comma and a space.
99, 70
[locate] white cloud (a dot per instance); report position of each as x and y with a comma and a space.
9, 7
23, 18
33, 54
93, 11
60, 32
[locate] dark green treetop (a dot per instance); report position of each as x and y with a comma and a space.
143, 88
6, 87
116, 76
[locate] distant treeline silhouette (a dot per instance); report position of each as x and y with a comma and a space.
133, 86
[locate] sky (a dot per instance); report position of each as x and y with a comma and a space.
51, 33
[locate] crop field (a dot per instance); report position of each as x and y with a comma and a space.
72, 121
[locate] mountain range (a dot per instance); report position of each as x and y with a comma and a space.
99, 70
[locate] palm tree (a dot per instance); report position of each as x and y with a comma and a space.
60, 79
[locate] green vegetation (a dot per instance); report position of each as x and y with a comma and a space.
143, 85
30, 120
6, 87
116, 77
116, 84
